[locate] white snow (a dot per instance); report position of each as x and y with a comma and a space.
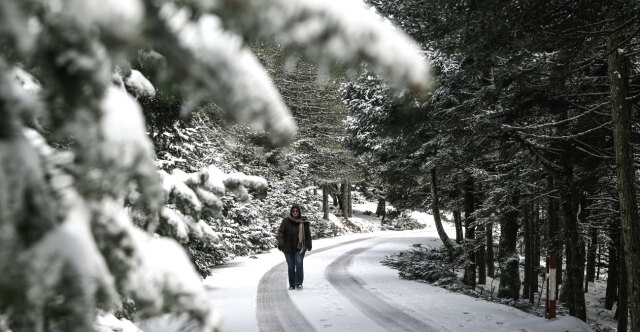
71, 244
107, 322
174, 186
120, 18
28, 82
165, 263
237, 80
190, 193
233, 288
343, 31
452, 311
597, 315
139, 84
166, 281
175, 221
123, 130
368, 206
211, 178
427, 220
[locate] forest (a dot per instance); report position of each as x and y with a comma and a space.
145, 142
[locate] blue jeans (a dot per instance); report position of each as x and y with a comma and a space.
296, 271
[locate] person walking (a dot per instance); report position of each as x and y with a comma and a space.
294, 240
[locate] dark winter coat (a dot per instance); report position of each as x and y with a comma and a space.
288, 235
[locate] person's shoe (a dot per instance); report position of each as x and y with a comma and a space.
291, 288
299, 287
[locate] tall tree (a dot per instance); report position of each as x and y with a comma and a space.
311, 93
529, 281
621, 114
507, 256
435, 202
613, 283
537, 74
470, 225
66, 232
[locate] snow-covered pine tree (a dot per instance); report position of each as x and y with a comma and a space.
74, 148
311, 93
530, 97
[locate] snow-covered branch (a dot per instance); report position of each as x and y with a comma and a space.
67, 220
229, 73
328, 31
191, 193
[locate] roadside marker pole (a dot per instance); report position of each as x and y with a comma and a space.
552, 262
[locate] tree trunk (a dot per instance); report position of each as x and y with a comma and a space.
591, 255
526, 236
349, 200
325, 202
364, 190
480, 259
457, 219
599, 260
554, 233
480, 241
507, 254
536, 244
491, 271
529, 278
573, 286
469, 277
622, 312
334, 192
435, 206
344, 197
381, 209
621, 114
583, 217
612, 266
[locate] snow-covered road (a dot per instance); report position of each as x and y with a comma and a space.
385, 312
346, 288
275, 308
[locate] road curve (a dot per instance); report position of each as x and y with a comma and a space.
388, 316
275, 310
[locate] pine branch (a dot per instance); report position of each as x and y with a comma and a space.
557, 123
549, 167
567, 137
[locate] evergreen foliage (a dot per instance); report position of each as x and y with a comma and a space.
82, 202
524, 99
433, 266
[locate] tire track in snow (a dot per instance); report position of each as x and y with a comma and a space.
275, 310
389, 316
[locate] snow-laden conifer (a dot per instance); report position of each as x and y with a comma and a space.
344, 31
65, 231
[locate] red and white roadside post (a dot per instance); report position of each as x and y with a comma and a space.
552, 262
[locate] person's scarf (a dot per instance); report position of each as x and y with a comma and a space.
301, 243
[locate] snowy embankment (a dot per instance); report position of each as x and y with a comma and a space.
327, 303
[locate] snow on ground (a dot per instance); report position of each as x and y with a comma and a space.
366, 222
597, 315
366, 206
427, 220
233, 286
451, 311
233, 289
107, 322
